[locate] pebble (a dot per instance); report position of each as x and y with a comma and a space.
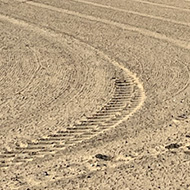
103, 157
46, 173
172, 146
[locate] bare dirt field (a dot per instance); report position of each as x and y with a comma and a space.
94, 94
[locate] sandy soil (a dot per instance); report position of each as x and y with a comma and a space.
94, 94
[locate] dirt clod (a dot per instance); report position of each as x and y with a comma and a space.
103, 157
172, 146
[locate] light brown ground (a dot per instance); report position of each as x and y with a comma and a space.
85, 77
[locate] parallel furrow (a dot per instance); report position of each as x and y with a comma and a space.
163, 5
138, 13
180, 43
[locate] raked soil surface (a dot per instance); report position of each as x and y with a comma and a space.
95, 94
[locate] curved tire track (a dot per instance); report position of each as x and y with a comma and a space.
128, 98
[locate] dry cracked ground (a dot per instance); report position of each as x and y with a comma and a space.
94, 94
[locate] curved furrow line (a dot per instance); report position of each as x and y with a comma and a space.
49, 104
132, 12
38, 67
80, 86
187, 47
163, 5
187, 79
62, 89
179, 70
179, 43
34, 74
75, 85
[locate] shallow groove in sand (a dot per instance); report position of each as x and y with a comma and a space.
163, 5
180, 43
128, 98
132, 12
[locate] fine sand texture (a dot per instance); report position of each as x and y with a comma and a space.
94, 94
